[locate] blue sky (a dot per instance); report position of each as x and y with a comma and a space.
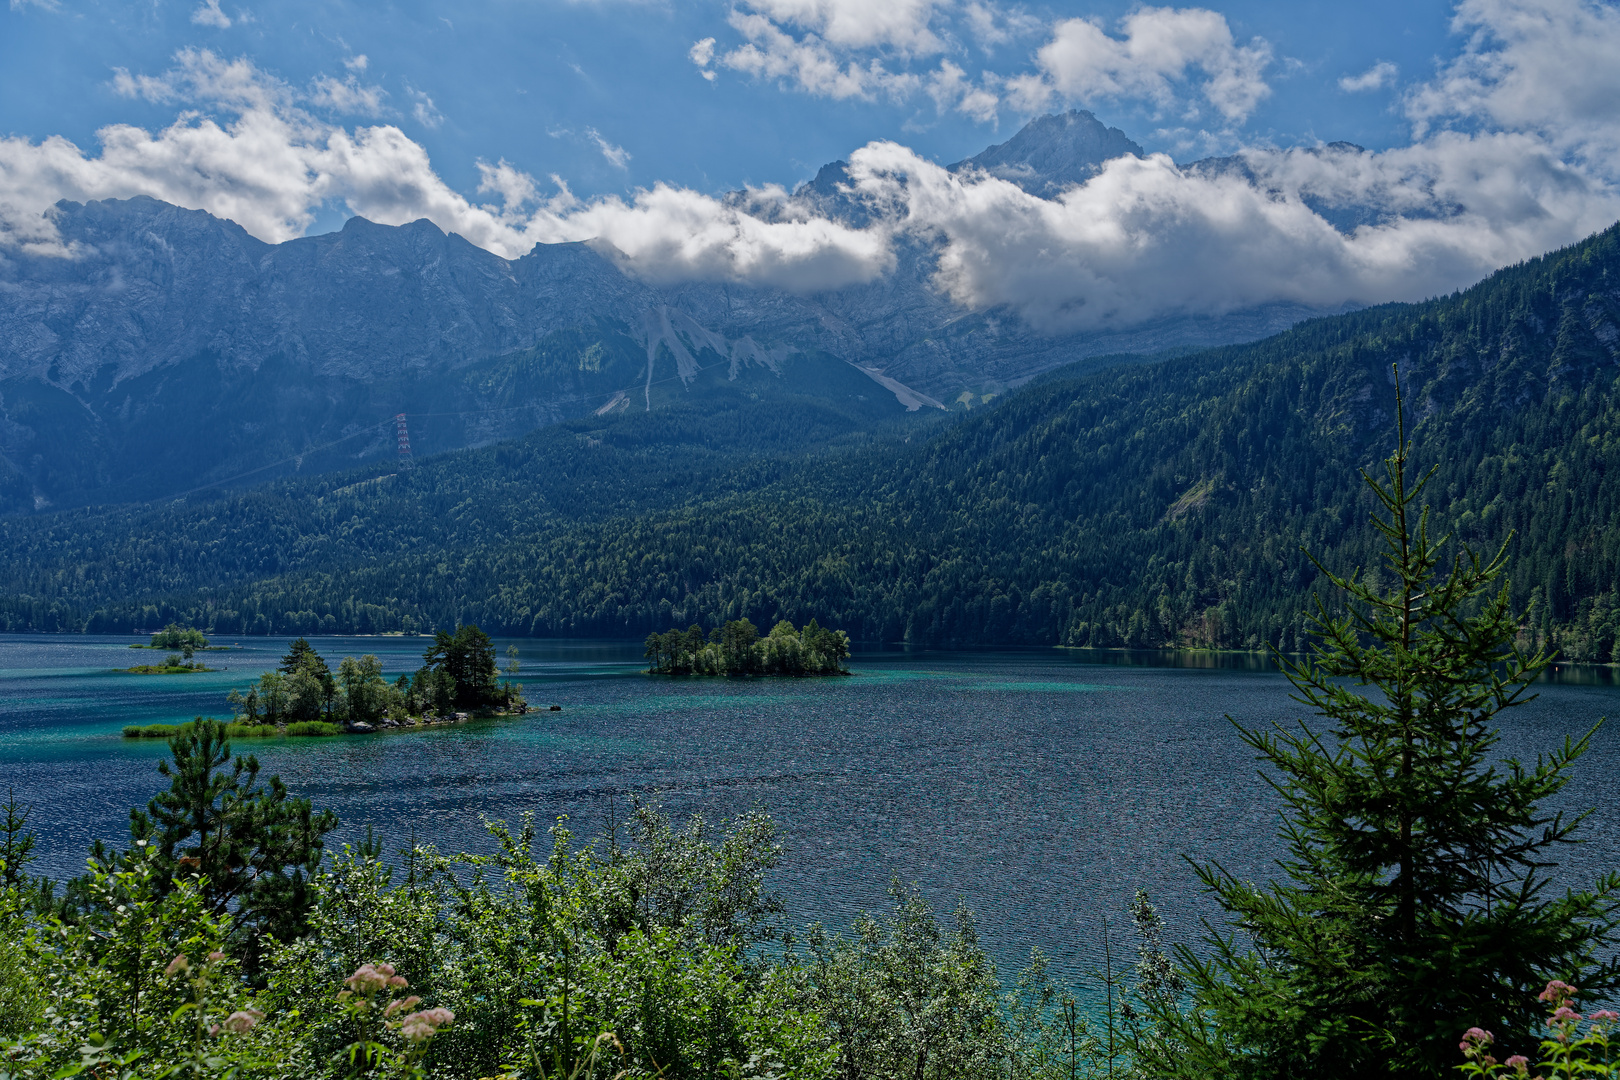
526, 80
1490, 126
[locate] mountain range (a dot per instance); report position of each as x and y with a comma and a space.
1146, 504
172, 351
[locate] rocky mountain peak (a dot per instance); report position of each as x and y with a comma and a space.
1051, 153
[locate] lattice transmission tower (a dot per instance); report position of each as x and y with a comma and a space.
404, 440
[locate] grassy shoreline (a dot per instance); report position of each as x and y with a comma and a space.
308, 728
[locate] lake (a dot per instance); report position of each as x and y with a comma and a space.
1041, 787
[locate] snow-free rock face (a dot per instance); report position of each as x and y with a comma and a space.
173, 350
1051, 153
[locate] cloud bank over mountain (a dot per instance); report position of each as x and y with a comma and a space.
1514, 149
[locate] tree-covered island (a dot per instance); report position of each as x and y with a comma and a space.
737, 649
176, 637
185, 641
457, 681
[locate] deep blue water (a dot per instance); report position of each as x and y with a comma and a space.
1042, 787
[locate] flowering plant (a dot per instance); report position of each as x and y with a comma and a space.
1576, 1045
372, 1000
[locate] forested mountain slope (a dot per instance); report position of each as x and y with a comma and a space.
172, 350
1143, 505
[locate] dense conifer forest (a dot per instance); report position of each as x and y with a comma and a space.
1146, 505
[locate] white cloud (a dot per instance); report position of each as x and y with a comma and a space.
809, 63
1145, 239
1517, 151
990, 25
859, 24
349, 96
671, 234
273, 166
1546, 66
953, 91
1377, 77
702, 54
423, 109
1155, 58
818, 66
199, 75
43, 5
357, 64
209, 14
617, 156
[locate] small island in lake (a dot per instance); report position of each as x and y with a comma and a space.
304, 697
174, 664
177, 637
737, 649
184, 641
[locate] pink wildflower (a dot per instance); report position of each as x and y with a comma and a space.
1605, 1015
243, 1021
1558, 991
216, 955
422, 1025
1518, 1061
401, 1005
178, 966
369, 978
1565, 1013
397, 981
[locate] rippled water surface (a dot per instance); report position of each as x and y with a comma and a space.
1042, 787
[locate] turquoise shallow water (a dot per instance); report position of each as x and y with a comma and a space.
1042, 787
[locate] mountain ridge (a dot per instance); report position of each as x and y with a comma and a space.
175, 350
1141, 505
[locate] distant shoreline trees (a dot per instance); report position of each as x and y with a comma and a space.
737, 649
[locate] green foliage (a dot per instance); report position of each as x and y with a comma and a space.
905, 997
467, 657
646, 954
235, 730
1578, 1046
1415, 889
252, 731
537, 949
174, 665
141, 987
16, 842
367, 696
314, 728
22, 1001
737, 649
155, 731
175, 636
253, 847
306, 689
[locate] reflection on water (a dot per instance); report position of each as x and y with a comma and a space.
1042, 786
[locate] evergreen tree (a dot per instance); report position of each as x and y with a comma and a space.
16, 842
254, 846
310, 685
1415, 901
468, 657
299, 655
